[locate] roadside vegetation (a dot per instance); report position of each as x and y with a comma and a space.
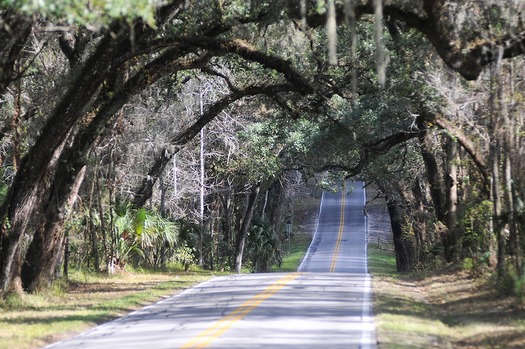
447, 305
144, 133
445, 308
294, 254
86, 300
89, 298
305, 211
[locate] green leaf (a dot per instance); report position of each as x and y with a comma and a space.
139, 221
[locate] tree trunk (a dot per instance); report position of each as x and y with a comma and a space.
245, 226
42, 255
451, 200
422, 238
11, 267
226, 219
495, 128
16, 214
511, 197
65, 270
402, 244
514, 240
276, 196
497, 222
73, 160
434, 171
202, 175
163, 191
14, 31
32, 181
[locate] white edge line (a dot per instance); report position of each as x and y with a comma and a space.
307, 255
366, 228
368, 326
367, 321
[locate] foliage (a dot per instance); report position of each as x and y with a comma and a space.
184, 255
292, 256
97, 13
144, 237
476, 227
140, 237
512, 284
257, 159
333, 119
263, 246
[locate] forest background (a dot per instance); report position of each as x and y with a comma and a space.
143, 133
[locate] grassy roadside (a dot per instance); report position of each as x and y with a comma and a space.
293, 254
445, 309
85, 301
305, 214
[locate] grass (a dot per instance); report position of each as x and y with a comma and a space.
382, 261
442, 309
85, 301
294, 254
305, 214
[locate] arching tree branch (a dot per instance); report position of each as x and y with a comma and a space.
370, 151
246, 51
145, 189
469, 147
430, 17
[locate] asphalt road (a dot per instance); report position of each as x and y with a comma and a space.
326, 304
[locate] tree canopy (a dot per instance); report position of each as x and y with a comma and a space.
111, 107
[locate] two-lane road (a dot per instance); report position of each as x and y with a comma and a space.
324, 305
339, 243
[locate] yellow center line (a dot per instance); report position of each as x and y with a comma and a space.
203, 339
335, 255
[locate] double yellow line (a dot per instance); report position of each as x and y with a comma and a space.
204, 339
340, 232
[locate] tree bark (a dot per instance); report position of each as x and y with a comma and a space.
402, 244
451, 199
226, 219
434, 172
497, 221
73, 161
32, 181
14, 31
245, 226
496, 126
422, 238
275, 200
42, 255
